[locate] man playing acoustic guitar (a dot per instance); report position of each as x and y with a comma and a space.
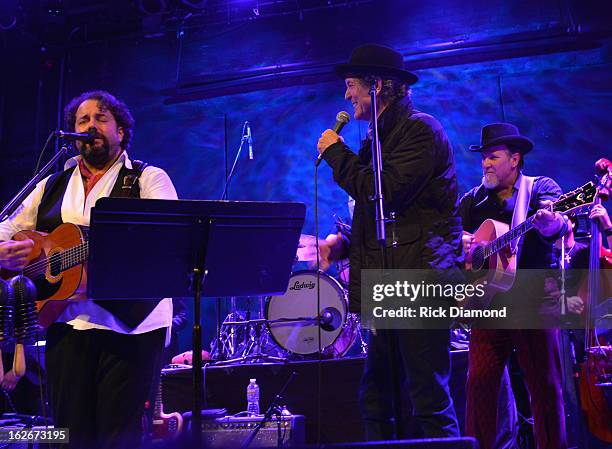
502, 149
101, 357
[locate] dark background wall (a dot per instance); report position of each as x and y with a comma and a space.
192, 82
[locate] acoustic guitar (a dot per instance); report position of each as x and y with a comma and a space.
57, 266
493, 240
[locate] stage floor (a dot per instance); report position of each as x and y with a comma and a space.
330, 405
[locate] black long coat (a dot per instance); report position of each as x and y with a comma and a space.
420, 189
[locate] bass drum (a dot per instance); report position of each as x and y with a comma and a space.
300, 301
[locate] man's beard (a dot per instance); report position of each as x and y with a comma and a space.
96, 155
490, 181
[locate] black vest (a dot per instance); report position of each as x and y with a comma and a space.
130, 312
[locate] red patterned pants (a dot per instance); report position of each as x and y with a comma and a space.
538, 356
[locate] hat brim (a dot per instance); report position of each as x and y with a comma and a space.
520, 144
346, 70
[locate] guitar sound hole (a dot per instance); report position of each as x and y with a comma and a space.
55, 264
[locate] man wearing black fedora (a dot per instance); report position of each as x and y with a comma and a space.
420, 189
508, 196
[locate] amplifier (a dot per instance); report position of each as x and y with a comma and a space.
230, 432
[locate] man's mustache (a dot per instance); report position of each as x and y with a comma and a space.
96, 136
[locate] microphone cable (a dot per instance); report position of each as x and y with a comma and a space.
42, 152
342, 118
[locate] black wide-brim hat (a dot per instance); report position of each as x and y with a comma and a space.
373, 59
503, 134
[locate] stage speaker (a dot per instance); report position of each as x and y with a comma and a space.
230, 432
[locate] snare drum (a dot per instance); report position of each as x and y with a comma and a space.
300, 301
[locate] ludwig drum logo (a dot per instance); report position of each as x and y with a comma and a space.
302, 285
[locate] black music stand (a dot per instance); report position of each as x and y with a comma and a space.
152, 249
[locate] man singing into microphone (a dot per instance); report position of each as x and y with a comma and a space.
420, 191
102, 356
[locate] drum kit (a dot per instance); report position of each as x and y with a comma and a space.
311, 318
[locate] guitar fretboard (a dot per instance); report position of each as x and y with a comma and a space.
158, 409
574, 200
506, 239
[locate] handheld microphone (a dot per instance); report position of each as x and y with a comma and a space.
72, 136
342, 118
249, 138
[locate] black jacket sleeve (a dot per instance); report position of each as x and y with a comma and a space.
407, 165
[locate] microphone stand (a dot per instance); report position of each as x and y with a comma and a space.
27, 189
218, 350
231, 173
378, 199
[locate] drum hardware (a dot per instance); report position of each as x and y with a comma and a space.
363, 344
227, 344
328, 319
245, 340
350, 342
251, 349
292, 322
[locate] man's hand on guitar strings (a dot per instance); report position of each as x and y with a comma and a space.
14, 254
467, 240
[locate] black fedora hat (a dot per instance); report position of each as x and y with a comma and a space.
373, 59
503, 133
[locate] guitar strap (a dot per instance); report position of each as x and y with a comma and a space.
127, 181
49, 214
521, 206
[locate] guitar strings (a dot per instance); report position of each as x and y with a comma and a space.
497, 245
72, 255
81, 250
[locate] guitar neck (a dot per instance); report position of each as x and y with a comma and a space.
575, 200
506, 239
158, 409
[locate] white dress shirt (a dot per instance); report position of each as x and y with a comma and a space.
82, 315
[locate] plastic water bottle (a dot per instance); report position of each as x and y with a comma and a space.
253, 398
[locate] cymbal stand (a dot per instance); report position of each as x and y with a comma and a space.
363, 344
253, 346
255, 339
227, 344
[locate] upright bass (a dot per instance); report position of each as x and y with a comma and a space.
596, 370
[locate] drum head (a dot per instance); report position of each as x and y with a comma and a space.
300, 301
